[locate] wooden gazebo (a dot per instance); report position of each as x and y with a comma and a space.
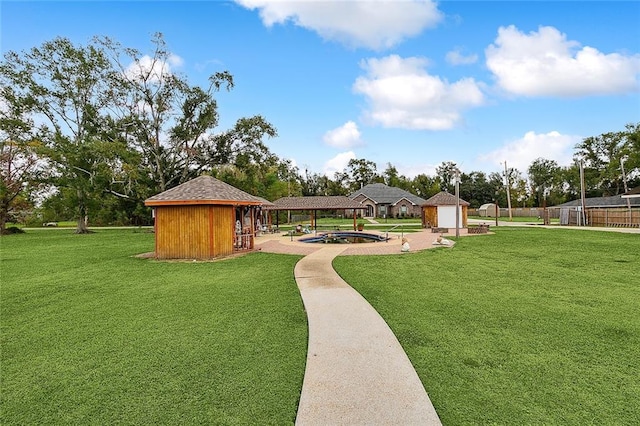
203, 218
315, 203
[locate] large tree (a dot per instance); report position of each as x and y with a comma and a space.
476, 189
542, 175
601, 156
393, 178
173, 124
447, 173
68, 88
425, 186
20, 167
361, 172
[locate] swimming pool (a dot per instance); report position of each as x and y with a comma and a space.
344, 237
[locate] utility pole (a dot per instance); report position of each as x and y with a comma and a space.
457, 202
582, 195
624, 182
506, 176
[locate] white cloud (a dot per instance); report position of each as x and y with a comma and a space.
375, 24
413, 170
401, 93
155, 70
338, 163
545, 63
520, 153
456, 57
345, 136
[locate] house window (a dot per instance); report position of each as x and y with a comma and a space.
403, 209
383, 211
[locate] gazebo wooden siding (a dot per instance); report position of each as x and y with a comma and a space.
203, 218
179, 231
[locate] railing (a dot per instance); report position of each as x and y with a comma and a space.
400, 225
243, 242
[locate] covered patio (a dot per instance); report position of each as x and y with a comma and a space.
315, 204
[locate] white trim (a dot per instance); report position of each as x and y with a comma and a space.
406, 199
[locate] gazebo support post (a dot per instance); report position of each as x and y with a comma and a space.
315, 220
355, 227
252, 238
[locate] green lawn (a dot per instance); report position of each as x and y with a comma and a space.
527, 326
92, 335
505, 218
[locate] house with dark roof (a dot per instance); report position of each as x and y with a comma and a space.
203, 218
613, 201
384, 201
439, 211
617, 210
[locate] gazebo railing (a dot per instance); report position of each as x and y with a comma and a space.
243, 241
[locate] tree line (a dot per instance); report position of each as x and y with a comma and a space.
88, 132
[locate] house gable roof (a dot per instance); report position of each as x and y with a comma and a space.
384, 194
203, 190
444, 199
405, 199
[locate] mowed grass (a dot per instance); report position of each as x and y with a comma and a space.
92, 335
505, 218
527, 326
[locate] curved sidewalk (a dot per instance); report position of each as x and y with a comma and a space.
356, 371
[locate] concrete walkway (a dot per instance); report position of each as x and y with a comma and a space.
356, 371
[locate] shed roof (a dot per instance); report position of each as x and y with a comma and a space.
444, 199
487, 205
384, 194
332, 202
203, 190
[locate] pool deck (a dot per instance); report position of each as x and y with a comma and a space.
421, 240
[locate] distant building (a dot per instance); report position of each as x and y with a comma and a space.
617, 210
488, 210
439, 211
383, 201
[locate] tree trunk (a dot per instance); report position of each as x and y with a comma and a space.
3, 221
83, 219
81, 227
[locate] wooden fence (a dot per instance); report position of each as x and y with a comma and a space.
614, 217
519, 212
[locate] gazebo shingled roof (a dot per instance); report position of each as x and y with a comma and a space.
265, 202
332, 202
444, 199
203, 190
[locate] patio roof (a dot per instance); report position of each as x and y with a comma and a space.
333, 202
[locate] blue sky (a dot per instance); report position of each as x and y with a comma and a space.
411, 83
